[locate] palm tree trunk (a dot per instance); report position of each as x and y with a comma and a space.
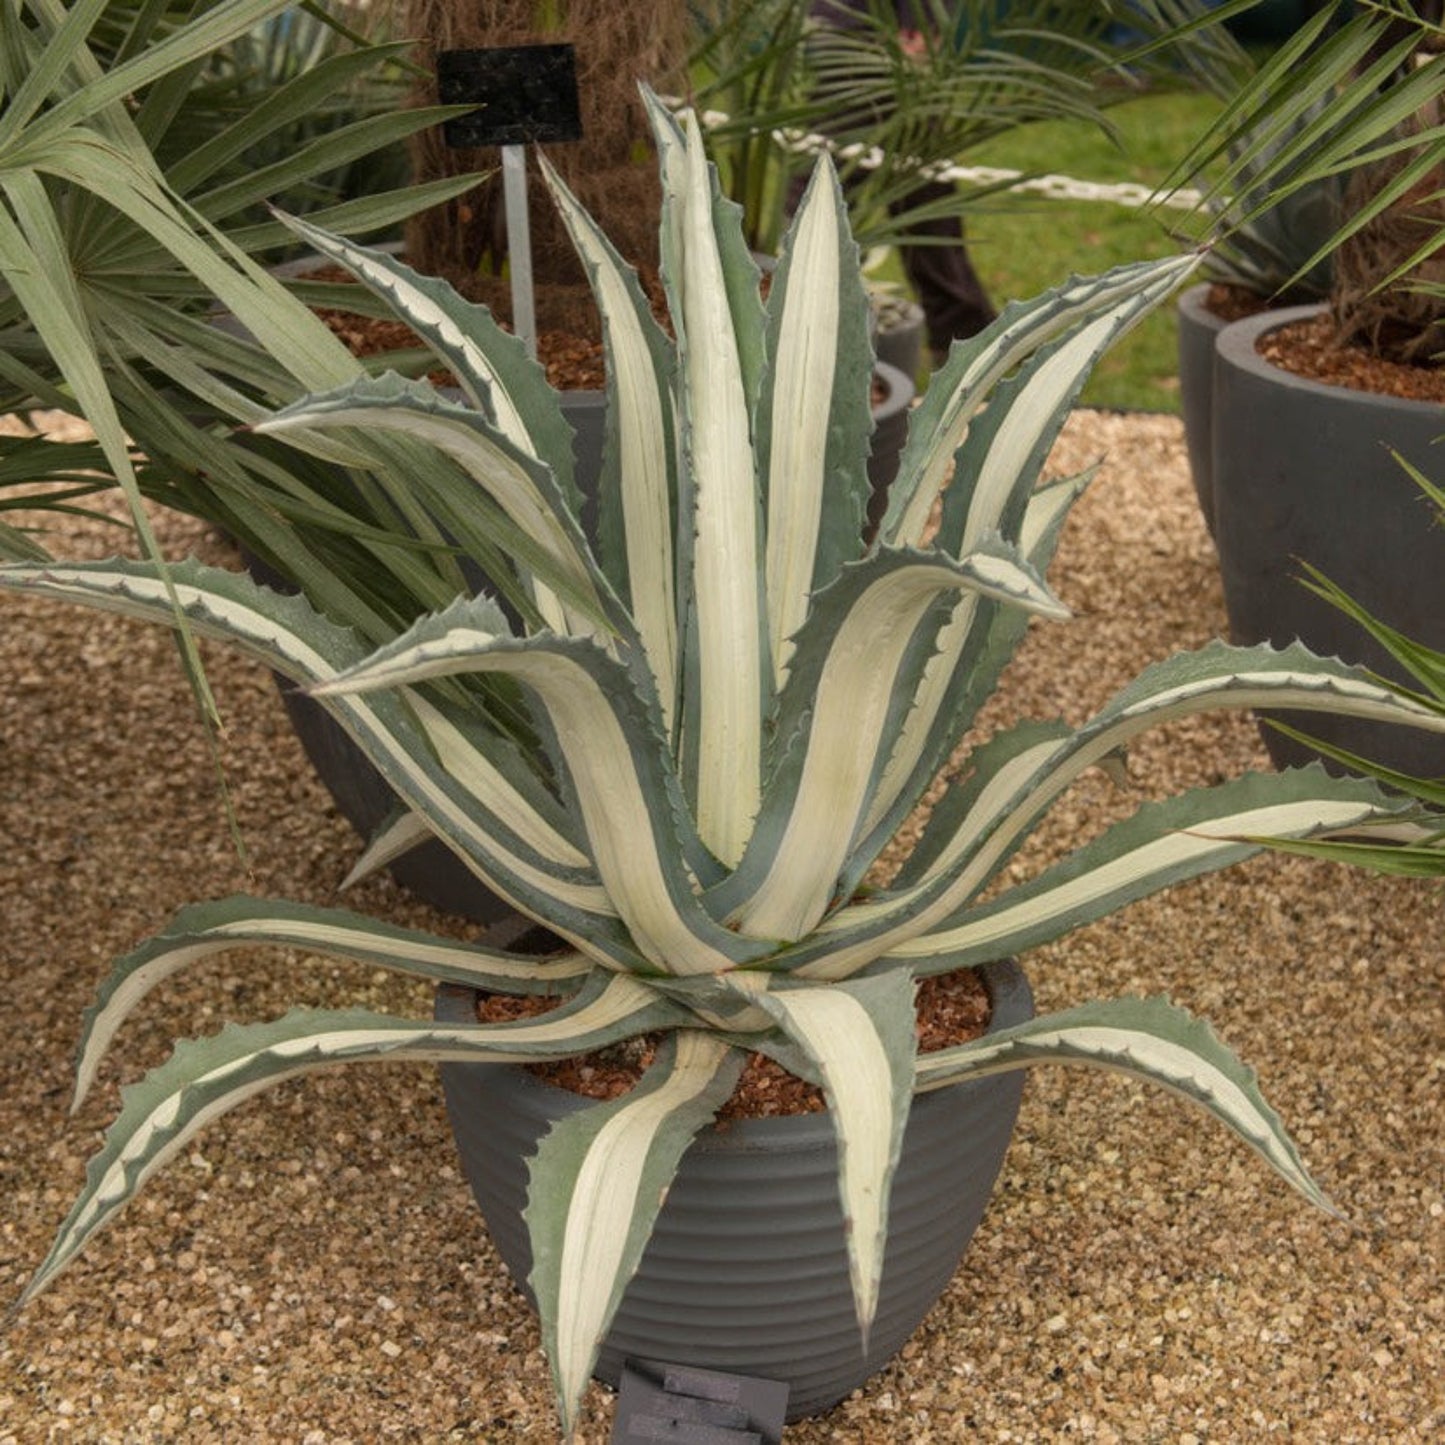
1402, 319
617, 45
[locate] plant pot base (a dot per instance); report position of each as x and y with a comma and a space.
746, 1271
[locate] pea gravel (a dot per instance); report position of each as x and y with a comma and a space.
313, 1271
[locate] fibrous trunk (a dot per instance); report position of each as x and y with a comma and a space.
1400, 316
610, 168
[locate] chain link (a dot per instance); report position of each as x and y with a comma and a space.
1052, 187
1132, 194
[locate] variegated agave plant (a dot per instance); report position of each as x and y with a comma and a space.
730, 704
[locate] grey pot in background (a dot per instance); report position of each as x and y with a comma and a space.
747, 1271
1198, 328
898, 333
1304, 472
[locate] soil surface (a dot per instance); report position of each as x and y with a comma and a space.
311, 1270
1311, 348
951, 1010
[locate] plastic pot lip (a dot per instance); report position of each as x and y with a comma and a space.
1190, 305
900, 390
1011, 1001
1236, 346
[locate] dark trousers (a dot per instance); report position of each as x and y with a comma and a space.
955, 304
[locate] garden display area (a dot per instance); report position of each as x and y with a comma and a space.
313, 1268
707, 786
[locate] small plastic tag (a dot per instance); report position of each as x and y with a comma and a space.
690, 1406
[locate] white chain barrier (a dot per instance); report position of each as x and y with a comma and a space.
1133, 194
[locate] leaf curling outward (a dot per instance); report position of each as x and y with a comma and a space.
675, 921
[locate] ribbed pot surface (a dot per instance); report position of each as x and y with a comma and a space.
746, 1271
1306, 472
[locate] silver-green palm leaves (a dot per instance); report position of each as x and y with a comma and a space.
727, 704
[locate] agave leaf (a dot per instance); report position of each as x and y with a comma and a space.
961, 387
638, 503
813, 416
724, 665
636, 823
394, 837
970, 653
291, 638
1150, 1039
1216, 676
1005, 447
1161, 844
595, 1188
491, 365
204, 1078
862, 1039
525, 811
548, 536
201, 930
987, 776
857, 665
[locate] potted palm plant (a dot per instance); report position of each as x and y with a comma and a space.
899, 94
1310, 403
682, 754
1270, 253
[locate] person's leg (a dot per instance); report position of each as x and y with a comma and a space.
955, 303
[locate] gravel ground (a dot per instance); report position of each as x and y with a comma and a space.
314, 1271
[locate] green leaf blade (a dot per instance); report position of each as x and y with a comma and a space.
596, 1186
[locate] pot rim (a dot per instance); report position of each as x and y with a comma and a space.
1011, 1003
1236, 346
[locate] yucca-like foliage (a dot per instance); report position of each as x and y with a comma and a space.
1350, 103
1279, 250
727, 707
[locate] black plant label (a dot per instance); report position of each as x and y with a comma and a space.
526, 94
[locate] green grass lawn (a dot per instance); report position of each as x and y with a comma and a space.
1022, 245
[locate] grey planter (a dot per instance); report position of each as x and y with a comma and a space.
746, 1271
1305, 472
898, 336
1198, 327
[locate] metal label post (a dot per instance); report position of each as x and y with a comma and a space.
527, 94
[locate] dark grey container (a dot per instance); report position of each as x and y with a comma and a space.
898, 336
746, 1271
1198, 327
1304, 472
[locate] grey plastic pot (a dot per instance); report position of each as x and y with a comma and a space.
1304, 472
746, 1271
898, 333
1198, 327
